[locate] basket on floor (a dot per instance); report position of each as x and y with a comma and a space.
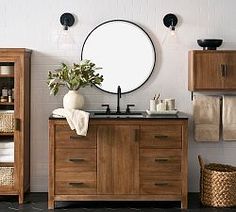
6, 176
217, 184
7, 121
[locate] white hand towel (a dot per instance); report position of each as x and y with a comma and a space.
77, 119
7, 158
229, 118
6, 145
206, 117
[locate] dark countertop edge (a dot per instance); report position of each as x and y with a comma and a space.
180, 115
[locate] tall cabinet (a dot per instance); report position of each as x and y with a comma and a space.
14, 121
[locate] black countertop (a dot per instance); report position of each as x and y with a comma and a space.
179, 115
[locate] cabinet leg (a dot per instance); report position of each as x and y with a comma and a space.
184, 204
51, 204
21, 198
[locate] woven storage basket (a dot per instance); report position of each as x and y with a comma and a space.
7, 121
6, 176
217, 184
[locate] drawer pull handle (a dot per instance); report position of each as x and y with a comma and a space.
161, 136
75, 137
161, 184
76, 184
17, 124
136, 131
76, 159
161, 159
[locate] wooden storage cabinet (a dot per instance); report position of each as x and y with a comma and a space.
127, 159
17, 82
212, 70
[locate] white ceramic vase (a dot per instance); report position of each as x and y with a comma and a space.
73, 100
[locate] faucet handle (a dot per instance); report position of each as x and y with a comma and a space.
128, 107
107, 109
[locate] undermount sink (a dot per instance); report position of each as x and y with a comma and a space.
120, 115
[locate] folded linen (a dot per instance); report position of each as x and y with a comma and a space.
6, 145
77, 119
7, 158
206, 115
229, 118
6, 152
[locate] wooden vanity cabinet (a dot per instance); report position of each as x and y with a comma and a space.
131, 159
212, 70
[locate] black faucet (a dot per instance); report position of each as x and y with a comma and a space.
118, 99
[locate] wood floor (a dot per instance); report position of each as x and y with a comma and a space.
38, 202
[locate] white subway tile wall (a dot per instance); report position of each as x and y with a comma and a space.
35, 25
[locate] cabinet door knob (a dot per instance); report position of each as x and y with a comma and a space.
76, 159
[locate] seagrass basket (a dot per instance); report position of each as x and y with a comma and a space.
217, 184
7, 121
6, 176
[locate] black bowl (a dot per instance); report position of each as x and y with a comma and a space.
209, 44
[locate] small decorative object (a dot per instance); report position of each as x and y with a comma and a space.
170, 104
209, 44
161, 106
75, 77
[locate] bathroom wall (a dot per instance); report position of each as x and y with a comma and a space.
35, 25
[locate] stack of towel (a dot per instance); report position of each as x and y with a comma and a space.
6, 151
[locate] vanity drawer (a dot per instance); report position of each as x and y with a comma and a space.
160, 185
67, 138
75, 183
160, 161
163, 136
75, 160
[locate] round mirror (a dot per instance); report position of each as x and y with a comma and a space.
124, 51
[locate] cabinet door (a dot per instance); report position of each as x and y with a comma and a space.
207, 70
117, 159
230, 71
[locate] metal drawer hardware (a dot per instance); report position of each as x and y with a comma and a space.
76, 184
161, 184
17, 124
161, 136
75, 137
161, 159
76, 159
223, 69
136, 135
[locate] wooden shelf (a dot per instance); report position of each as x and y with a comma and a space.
6, 103
6, 133
3, 164
6, 75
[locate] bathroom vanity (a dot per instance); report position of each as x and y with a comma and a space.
126, 158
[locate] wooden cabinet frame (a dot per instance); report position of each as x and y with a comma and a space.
21, 59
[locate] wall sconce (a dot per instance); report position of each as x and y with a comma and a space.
170, 21
65, 40
67, 20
